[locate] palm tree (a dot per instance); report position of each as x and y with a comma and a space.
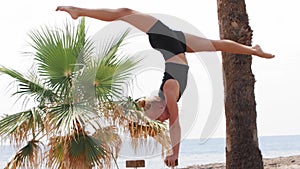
242, 151
79, 104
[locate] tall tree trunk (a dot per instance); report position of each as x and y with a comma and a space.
242, 150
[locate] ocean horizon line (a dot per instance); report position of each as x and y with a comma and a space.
194, 138
279, 135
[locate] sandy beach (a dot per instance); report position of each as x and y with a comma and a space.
292, 162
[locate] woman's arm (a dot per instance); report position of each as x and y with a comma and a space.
171, 92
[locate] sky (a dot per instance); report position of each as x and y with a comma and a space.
275, 28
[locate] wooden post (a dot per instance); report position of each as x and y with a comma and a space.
135, 163
139, 163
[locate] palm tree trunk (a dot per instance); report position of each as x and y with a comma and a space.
242, 150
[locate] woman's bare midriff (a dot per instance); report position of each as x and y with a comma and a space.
180, 59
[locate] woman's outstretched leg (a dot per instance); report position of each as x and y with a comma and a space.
139, 20
199, 44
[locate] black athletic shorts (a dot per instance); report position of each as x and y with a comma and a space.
166, 40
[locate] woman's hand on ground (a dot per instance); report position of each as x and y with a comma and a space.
171, 161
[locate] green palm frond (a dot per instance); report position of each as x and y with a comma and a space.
111, 44
65, 119
29, 86
113, 70
61, 119
76, 151
19, 126
27, 157
58, 52
103, 77
111, 77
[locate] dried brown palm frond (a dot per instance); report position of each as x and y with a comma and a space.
141, 132
77, 151
111, 139
19, 126
140, 128
30, 156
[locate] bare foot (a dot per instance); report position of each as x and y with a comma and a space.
73, 11
259, 52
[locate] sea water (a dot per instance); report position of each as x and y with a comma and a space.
193, 152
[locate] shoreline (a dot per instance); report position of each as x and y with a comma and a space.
290, 162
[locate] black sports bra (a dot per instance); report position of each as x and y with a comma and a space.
175, 71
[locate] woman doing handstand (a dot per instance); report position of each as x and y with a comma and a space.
173, 45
